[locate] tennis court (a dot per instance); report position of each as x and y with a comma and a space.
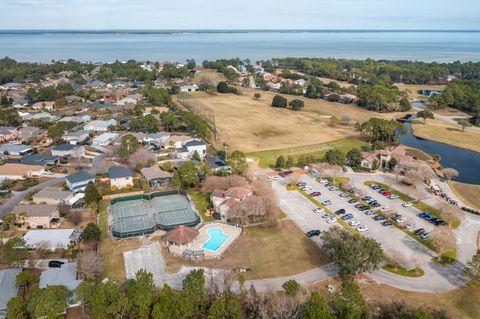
143, 214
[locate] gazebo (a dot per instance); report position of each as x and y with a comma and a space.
181, 237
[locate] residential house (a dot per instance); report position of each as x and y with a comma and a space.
216, 163
66, 150
8, 133
120, 177
75, 136
47, 105
155, 176
52, 196
126, 100
105, 139
382, 157
77, 182
76, 119
21, 103
66, 276
73, 98
45, 116
17, 171
38, 215
10, 86
40, 159
96, 84
189, 88
8, 288
52, 239
223, 201
99, 125
189, 149
156, 138
15, 149
29, 133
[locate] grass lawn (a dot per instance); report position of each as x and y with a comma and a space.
418, 154
209, 74
268, 252
251, 125
469, 193
399, 270
112, 250
412, 90
268, 158
201, 201
459, 303
448, 133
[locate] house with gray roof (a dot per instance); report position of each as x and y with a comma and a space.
155, 176
52, 196
68, 150
216, 163
66, 276
38, 215
156, 138
78, 181
15, 149
40, 159
75, 136
99, 125
120, 177
8, 288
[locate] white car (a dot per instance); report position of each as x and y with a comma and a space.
323, 181
401, 220
407, 204
333, 188
48, 173
319, 210
362, 228
331, 220
307, 188
385, 208
327, 202
354, 223
411, 226
343, 194
393, 196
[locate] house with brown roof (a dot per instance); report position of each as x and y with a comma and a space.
52, 196
17, 171
38, 215
181, 237
156, 176
223, 201
8, 133
47, 105
382, 157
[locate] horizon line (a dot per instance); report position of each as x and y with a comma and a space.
233, 30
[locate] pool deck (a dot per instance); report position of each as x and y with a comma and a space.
231, 231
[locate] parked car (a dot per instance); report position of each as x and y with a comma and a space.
351, 201
347, 217
315, 194
331, 220
354, 223
379, 217
384, 209
362, 229
340, 211
387, 223
393, 196
343, 194
369, 212
319, 210
407, 204
327, 202
386, 194
313, 232
322, 181
419, 231
333, 188
55, 264
327, 216
410, 226
425, 236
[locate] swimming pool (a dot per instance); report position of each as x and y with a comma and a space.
216, 240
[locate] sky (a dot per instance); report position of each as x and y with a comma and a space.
245, 14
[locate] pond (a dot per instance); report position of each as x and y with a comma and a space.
466, 162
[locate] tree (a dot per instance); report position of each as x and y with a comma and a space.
92, 196
238, 162
349, 301
472, 270
354, 157
296, 104
426, 114
8, 221
279, 101
191, 64
442, 239
225, 306
140, 293
335, 157
186, 175
449, 173
75, 217
194, 293
376, 129
90, 265
257, 96
85, 291
25, 279
405, 104
92, 233
352, 253
169, 120
223, 87
109, 302
129, 145
317, 307
48, 302
290, 162
170, 305
14, 251
291, 287
17, 308
464, 124
280, 162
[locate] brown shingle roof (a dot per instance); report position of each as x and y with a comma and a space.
154, 172
181, 235
36, 210
238, 192
9, 169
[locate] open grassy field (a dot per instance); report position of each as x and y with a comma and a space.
253, 125
412, 90
210, 74
449, 111
268, 158
459, 303
268, 252
112, 250
448, 133
468, 193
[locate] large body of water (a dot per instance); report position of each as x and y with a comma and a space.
466, 162
105, 46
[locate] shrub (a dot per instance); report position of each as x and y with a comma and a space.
296, 104
279, 101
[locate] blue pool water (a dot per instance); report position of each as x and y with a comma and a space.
216, 240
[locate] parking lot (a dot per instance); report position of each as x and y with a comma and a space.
409, 252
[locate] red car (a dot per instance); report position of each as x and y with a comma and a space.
315, 194
387, 194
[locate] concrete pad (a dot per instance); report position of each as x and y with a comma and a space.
149, 257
